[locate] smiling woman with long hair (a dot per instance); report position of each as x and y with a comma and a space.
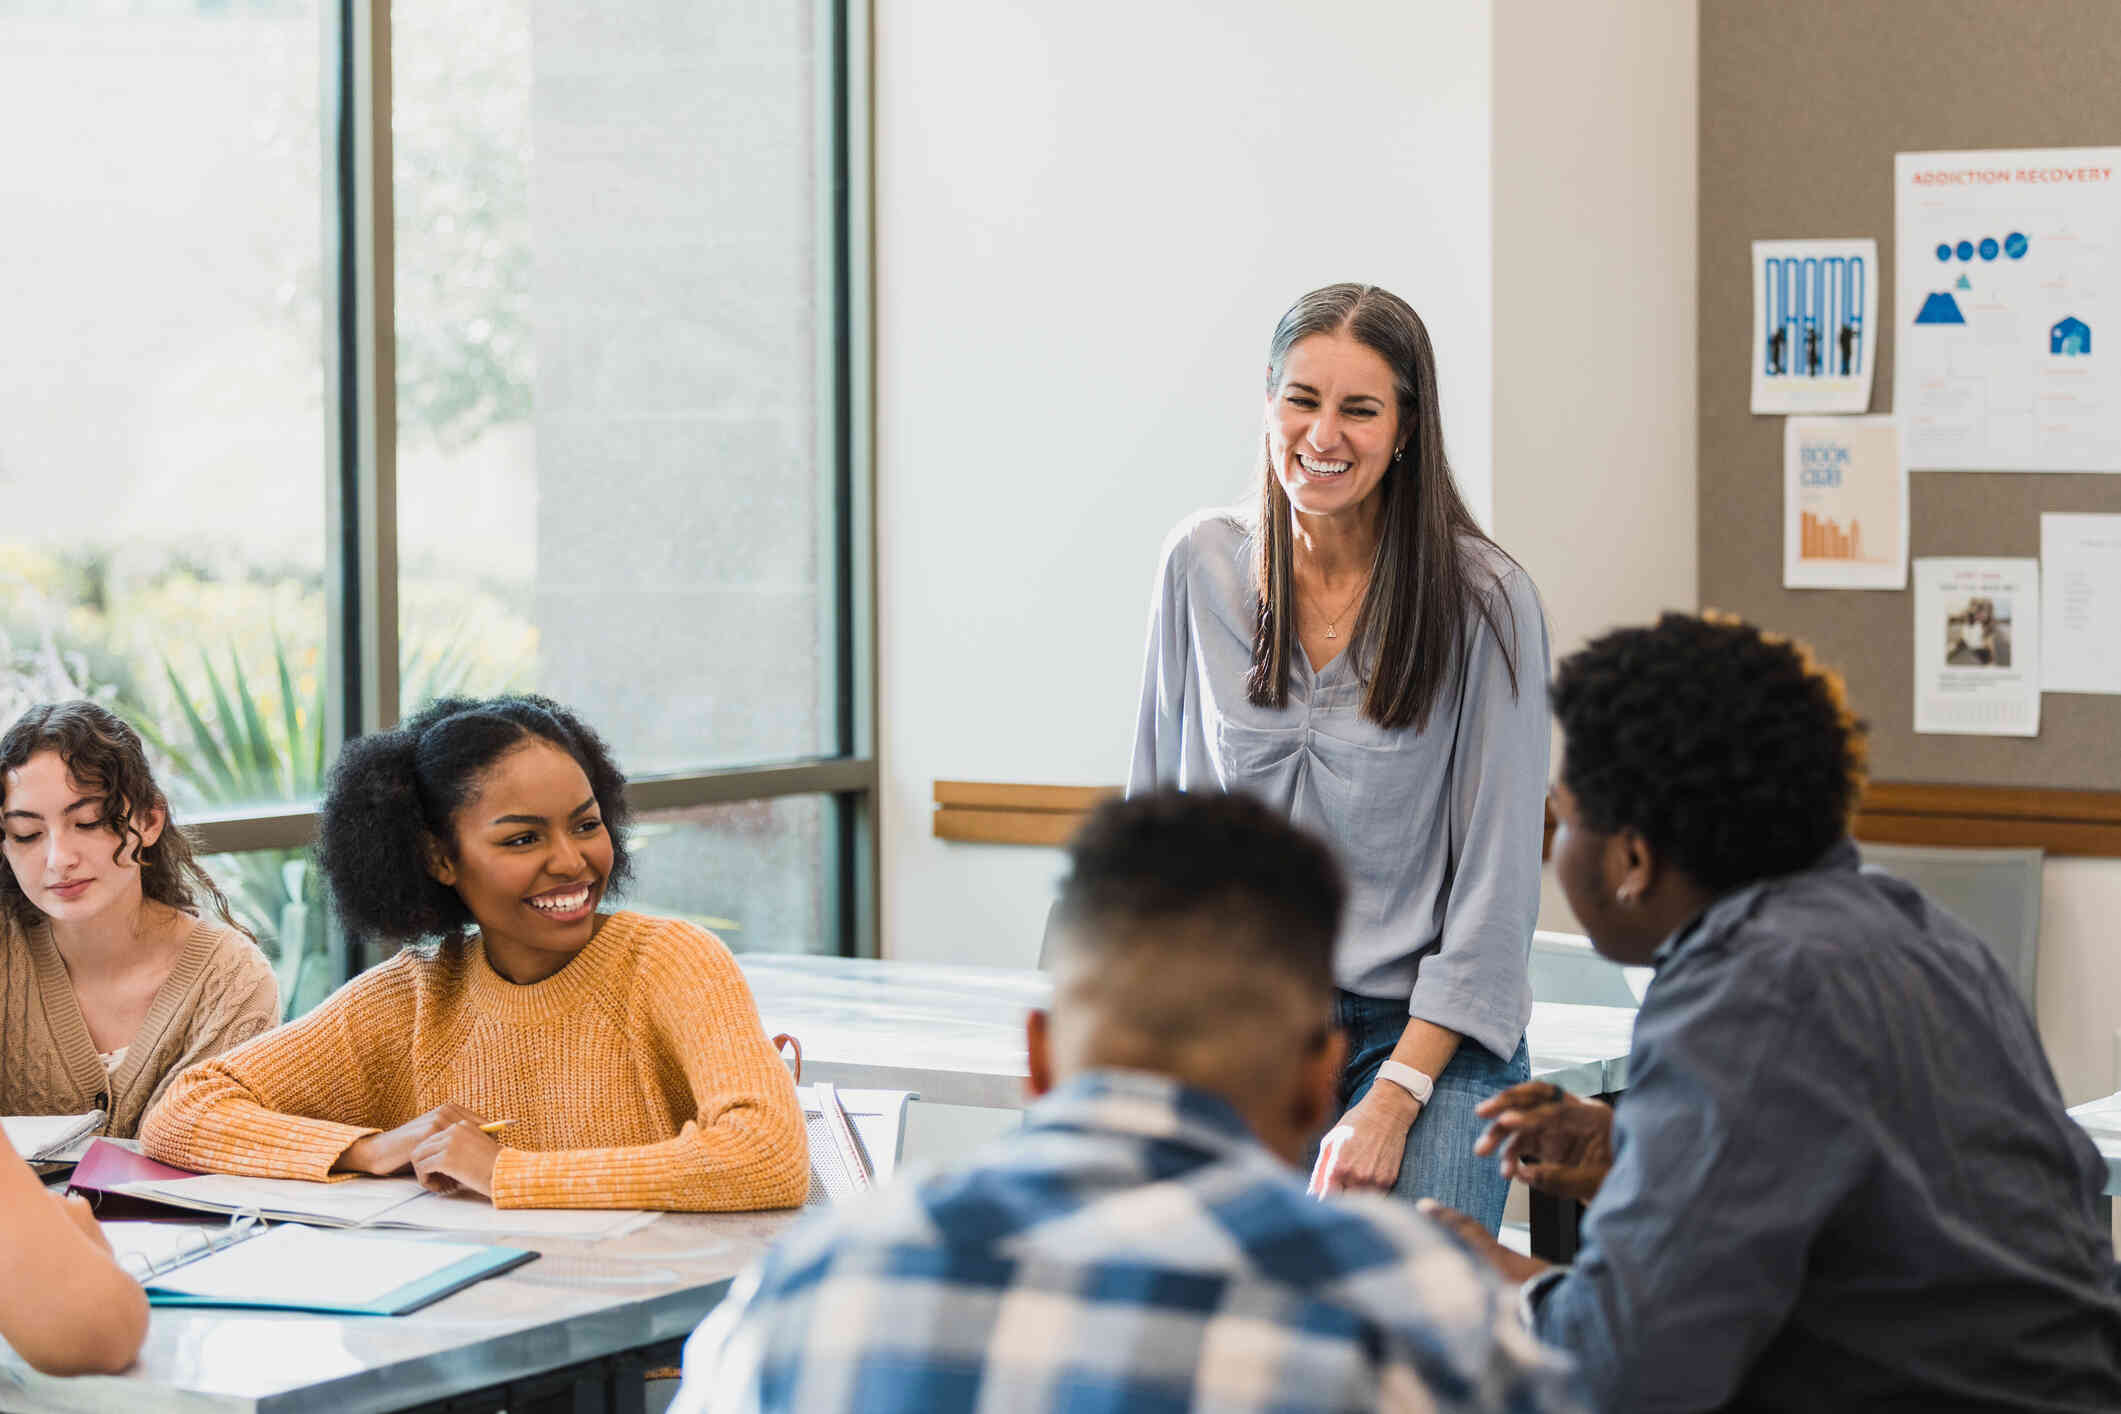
119, 962
620, 1055
1354, 650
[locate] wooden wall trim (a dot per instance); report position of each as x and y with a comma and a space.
2066, 822
992, 812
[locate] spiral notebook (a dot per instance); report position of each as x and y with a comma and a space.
247, 1264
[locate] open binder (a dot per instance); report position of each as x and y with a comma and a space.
294, 1268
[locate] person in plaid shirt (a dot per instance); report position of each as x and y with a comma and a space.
1145, 1242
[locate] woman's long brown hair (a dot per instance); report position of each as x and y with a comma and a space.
1423, 585
106, 758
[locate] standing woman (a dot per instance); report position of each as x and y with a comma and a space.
119, 963
1357, 652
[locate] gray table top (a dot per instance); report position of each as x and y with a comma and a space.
579, 1301
955, 1035
2101, 1119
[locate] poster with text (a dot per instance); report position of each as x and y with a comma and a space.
1977, 647
2009, 351
1844, 504
2080, 562
1815, 325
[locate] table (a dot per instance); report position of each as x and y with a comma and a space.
2101, 1119
570, 1332
955, 1035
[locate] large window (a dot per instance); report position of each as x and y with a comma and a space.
371, 353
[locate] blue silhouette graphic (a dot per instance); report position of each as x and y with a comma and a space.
2014, 245
2070, 337
1964, 250
1814, 311
1989, 247
1940, 308
1944, 250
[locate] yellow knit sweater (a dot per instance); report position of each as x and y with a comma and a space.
638, 1076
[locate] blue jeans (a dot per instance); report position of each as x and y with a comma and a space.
1440, 1162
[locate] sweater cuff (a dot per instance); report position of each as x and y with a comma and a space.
523, 1179
286, 1146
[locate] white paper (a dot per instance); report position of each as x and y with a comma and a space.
2080, 630
2008, 317
470, 1213
1815, 325
296, 1265
383, 1203
1977, 647
51, 1137
348, 1203
1844, 498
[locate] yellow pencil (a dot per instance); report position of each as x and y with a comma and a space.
496, 1127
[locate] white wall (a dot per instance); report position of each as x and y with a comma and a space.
1088, 219
1594, 179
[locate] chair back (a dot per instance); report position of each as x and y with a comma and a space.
1566, 968
1995, 892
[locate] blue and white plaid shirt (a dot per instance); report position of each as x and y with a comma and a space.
1132, 1248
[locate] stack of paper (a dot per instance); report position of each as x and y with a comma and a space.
348, 1202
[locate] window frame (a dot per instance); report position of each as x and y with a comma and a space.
361, 563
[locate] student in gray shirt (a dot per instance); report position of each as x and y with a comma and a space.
1842, 1177
1354, 651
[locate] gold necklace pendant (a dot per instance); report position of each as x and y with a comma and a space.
1329, 631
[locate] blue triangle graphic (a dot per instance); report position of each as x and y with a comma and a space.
1940, 308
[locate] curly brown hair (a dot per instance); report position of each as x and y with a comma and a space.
107, 758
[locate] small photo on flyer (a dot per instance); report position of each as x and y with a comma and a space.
1977, 647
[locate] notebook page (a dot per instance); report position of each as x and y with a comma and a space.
51, 1136
293, 1265
143, 1249
348, 1204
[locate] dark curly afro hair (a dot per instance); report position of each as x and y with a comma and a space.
393, 794
1729, 750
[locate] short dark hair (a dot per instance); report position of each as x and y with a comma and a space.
1729, 750
1173, 857
391, 794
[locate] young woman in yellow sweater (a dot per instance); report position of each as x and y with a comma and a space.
119, 963
622, 1053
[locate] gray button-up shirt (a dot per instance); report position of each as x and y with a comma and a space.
1439, 829
1842, 1177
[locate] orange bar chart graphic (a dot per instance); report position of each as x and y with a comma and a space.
1825, 540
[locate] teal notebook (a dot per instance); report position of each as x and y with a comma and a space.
297, 1268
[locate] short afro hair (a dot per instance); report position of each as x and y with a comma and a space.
1157, 862
1728, 749
391, 794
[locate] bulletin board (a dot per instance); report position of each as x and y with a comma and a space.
1803, 105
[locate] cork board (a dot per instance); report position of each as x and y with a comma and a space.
1803, 105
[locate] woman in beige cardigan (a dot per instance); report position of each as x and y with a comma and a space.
113, 977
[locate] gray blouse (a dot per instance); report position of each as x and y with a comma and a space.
1439, 829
